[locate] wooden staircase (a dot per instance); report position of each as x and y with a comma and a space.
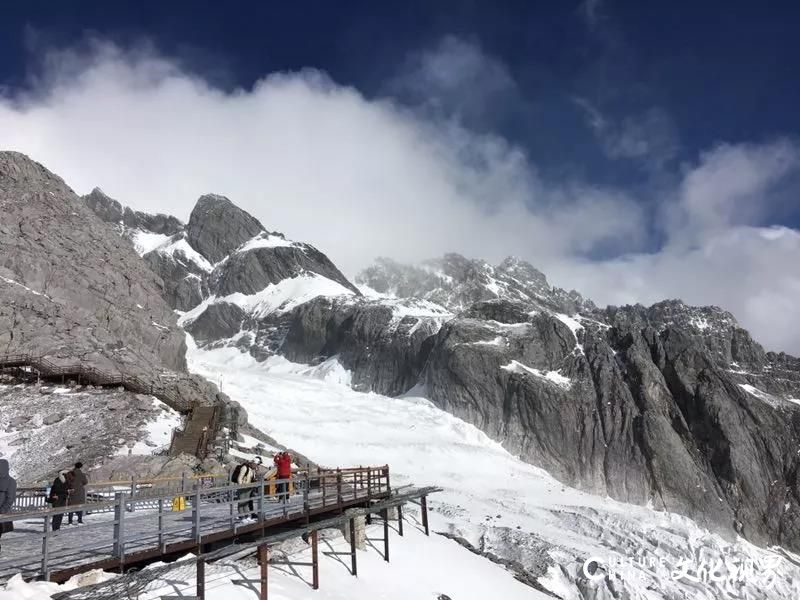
195, 436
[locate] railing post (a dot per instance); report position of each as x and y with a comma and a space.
161, 524
388, 481
306, 506
196, 513
133, 493
261, 498
339, 487
119, 525
369, 484
45, 549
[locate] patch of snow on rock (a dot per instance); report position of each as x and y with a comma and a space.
551, 376
147, 241
266, 240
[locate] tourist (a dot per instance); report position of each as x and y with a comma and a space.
244, 474
8, 495
78, 496
283, 461
59, 495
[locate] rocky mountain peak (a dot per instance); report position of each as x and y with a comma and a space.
217, 227
456, 282
18, 170
128, 221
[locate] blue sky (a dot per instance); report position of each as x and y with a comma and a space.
694, 73
634, 151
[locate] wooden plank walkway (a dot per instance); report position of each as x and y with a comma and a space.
135, 532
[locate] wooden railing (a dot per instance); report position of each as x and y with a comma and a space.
87, 374
213, 510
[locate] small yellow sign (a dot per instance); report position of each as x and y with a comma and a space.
178, 504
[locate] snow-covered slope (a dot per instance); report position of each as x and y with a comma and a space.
47, 428
499, 504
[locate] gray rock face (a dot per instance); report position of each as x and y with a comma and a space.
647, 413
111, 211
250, 272
69, 285
185, 282
217, 227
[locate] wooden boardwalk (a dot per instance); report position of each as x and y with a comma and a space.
136, 532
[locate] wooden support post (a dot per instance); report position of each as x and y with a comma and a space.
353, 565
201, 579
424, 504
263, 560
315, 558
385, 515
400, 519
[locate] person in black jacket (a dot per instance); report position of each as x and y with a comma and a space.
8, 495
59, 495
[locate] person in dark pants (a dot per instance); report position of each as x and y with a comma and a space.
78, 496
59, 495
8, 494
244, 474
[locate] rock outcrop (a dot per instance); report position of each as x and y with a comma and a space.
70, 286
217, 227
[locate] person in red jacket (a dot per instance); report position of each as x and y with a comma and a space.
283, 462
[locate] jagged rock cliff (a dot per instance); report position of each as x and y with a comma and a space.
670, 405
75, 291
70, 286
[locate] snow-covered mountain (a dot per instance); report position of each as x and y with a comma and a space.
670, 406
457, 283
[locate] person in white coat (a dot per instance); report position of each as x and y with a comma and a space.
243, 474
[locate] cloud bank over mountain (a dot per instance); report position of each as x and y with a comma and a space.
362, 177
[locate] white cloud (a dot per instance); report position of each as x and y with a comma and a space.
649, 136
456, 77
719, 248
318, 160
361, 178
732, 185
